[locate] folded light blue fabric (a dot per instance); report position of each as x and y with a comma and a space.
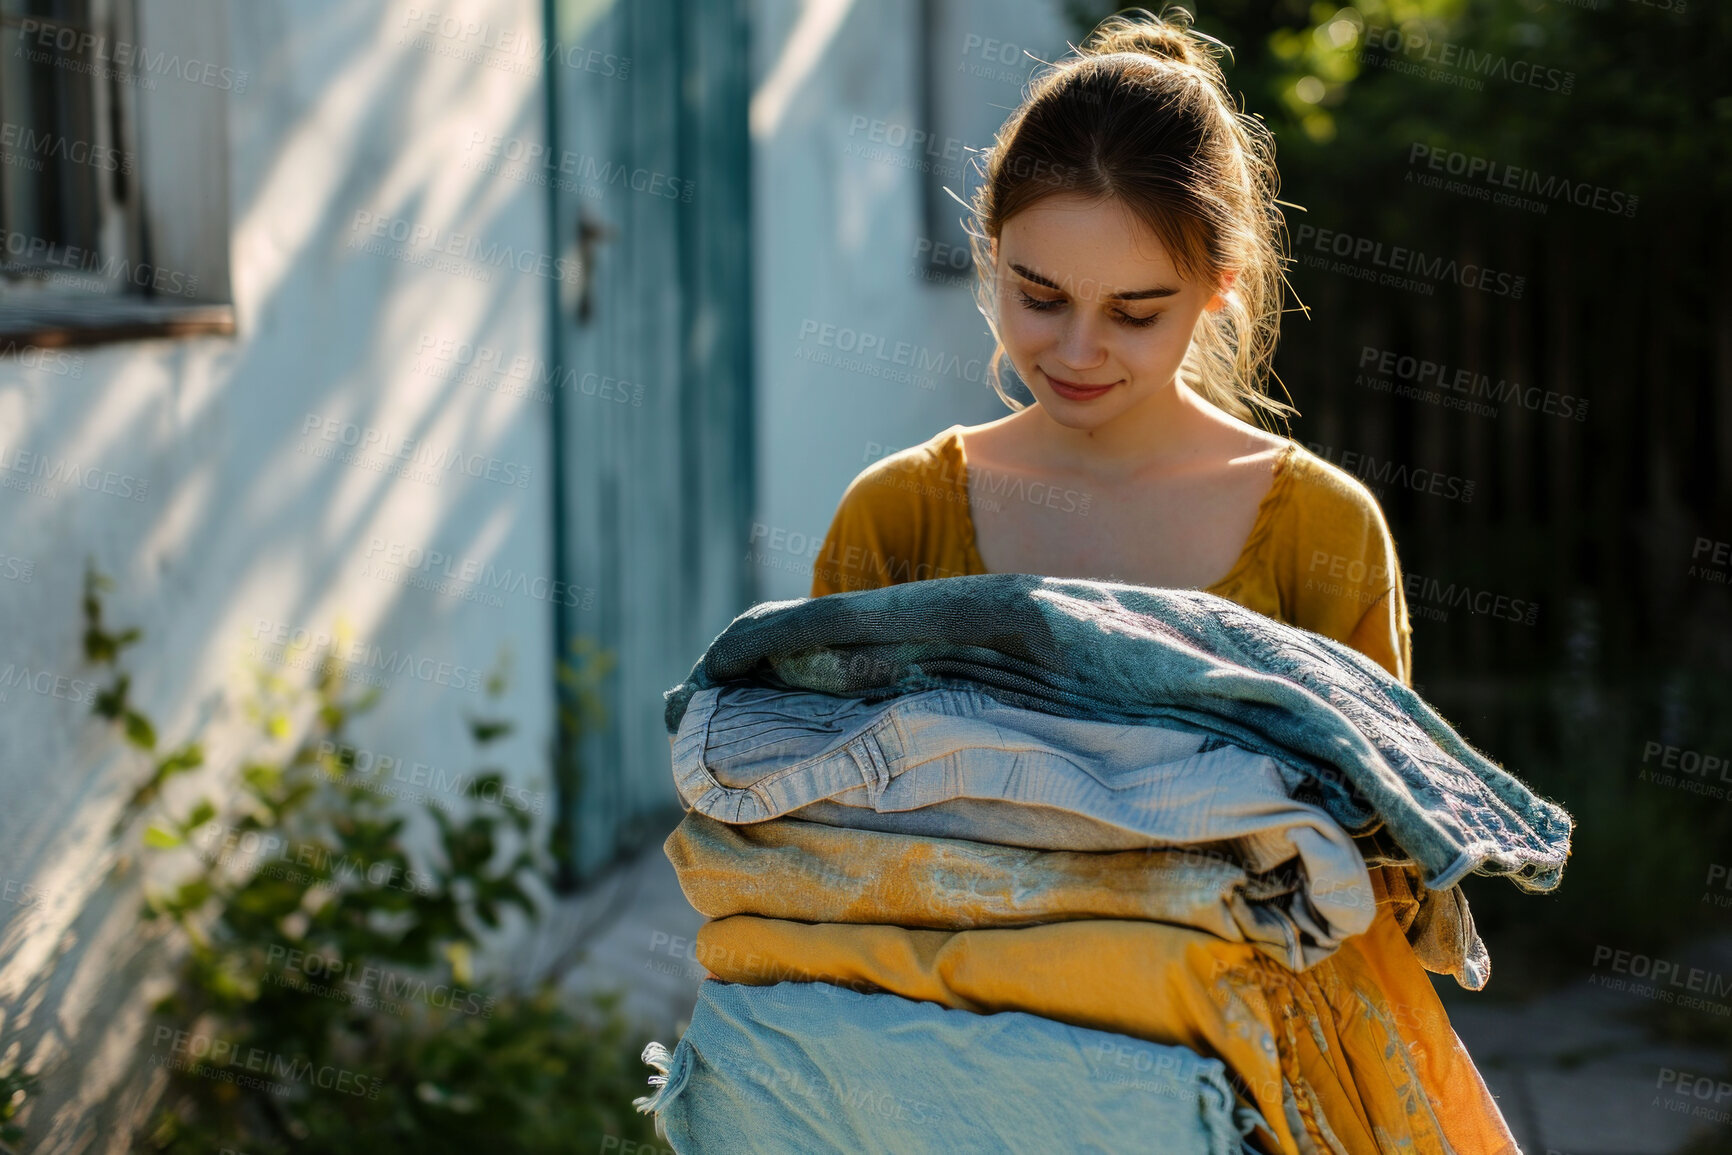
810, 1067
955, 763
1375, 755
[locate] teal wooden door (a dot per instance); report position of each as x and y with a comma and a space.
648, 186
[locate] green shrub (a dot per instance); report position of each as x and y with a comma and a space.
327, 998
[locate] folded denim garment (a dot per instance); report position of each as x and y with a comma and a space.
806, 1067
1373, 752
1354, 1056
955, 763
787, 868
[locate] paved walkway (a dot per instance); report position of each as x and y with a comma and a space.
1577, 1073
638, 929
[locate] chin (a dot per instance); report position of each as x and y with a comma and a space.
1083, 415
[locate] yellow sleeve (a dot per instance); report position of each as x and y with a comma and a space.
853, 537
1343, 577
1385, 636
882, 526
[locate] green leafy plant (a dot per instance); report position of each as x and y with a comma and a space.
328, 997
103, 648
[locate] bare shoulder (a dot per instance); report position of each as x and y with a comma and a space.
993, 442
1262, 441
1233, 441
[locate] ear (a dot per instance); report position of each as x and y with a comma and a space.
1224, 293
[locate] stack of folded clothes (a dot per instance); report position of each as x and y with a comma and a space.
1008, 861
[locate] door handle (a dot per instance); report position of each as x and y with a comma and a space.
592, 232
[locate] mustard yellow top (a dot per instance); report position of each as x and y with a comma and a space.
1319, 555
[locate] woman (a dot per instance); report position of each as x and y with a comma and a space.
1129, 251
1129, 248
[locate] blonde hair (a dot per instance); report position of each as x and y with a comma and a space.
1141, 113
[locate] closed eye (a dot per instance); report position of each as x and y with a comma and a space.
1048, 304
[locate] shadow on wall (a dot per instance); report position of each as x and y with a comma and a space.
243, 511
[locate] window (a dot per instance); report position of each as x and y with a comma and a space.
103, 236
975, 58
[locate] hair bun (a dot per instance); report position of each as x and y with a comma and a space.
1166, 37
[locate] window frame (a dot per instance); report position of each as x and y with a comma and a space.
117, 300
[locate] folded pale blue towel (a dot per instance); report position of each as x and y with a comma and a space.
800, 1068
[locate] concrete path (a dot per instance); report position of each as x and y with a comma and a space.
637, 930
1578, 1073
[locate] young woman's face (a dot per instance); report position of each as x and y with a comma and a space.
1091, 309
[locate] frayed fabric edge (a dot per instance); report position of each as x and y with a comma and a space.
673, 1068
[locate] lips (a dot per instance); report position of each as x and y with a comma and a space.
1075, 391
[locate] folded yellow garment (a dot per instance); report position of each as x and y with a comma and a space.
788, 868
1354, 1056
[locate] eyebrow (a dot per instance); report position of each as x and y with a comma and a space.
1139, 295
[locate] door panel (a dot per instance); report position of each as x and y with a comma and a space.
652, 193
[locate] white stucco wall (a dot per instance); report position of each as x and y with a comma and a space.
839, 221
227, 530
235, 533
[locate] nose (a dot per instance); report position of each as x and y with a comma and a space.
1079, 343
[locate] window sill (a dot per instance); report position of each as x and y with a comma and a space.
101, 321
